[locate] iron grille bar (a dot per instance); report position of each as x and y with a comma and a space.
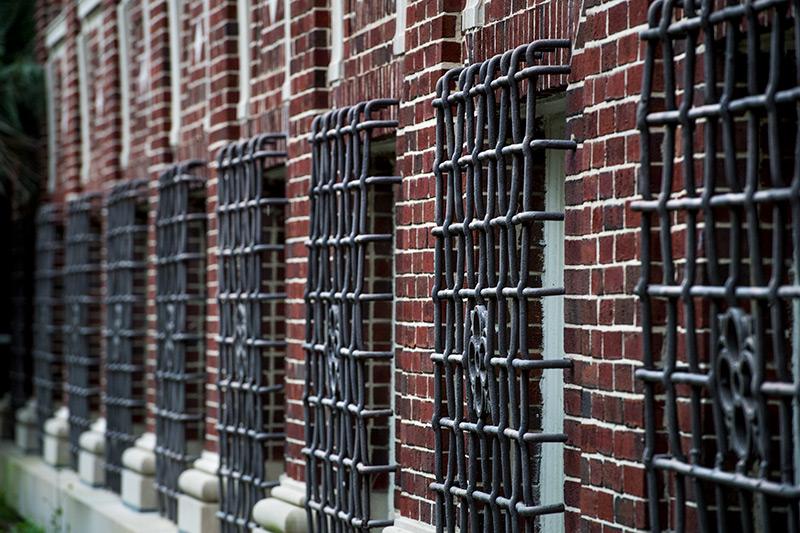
126, 321
82, 328
720, 249
48, 363
489, 171
250, 215
180, 315
348, 317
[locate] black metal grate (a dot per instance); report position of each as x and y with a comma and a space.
48, 363
21, 277
126, 321
720, 245
348, 299
82, 324
488, 290
252, 343
180, 314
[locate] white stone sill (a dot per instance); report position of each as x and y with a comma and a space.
57, 500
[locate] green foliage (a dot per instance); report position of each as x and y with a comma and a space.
22, 97
11, 522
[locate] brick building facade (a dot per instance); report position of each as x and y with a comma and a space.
570, 440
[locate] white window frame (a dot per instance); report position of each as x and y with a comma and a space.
243, 14
56, 55
123, 26
337, 41
90, 21
552, 384
472, 16
54, 41
399, 43
174, 28
287, 55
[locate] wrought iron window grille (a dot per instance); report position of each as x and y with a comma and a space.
488, 290
180, 316
252, 337
348, 297
127, 210
720, 249
22, 272
48, 362
82, 315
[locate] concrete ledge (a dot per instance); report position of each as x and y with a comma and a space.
26, 432
284, 511
58, 501
138, 475
91, 457
56, 439
199, 503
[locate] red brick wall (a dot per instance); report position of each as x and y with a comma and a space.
604, 488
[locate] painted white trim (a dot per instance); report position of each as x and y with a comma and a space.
399, 43
286, 93
174, 24
552, 384
88, 24
56, 31
337, 41
243, 15
123, 28
83, 89
52, 130
473, 14
86, 7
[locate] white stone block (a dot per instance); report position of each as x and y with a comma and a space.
26, 433
25, 437
91, 468
195, 516
56, 450
138, 491
273, 514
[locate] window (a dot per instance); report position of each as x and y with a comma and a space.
126, 321
48, 313
82, 324
92, 97
57, 119
252, 317
498, 284
180, 322
349, 335
719, 245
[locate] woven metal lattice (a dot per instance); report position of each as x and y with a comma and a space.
180, 315
48, 313
487, 294
348, 298
720, 239
252, 343
82, 320
126, 321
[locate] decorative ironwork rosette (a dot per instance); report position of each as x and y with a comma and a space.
736, 381
476, 358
